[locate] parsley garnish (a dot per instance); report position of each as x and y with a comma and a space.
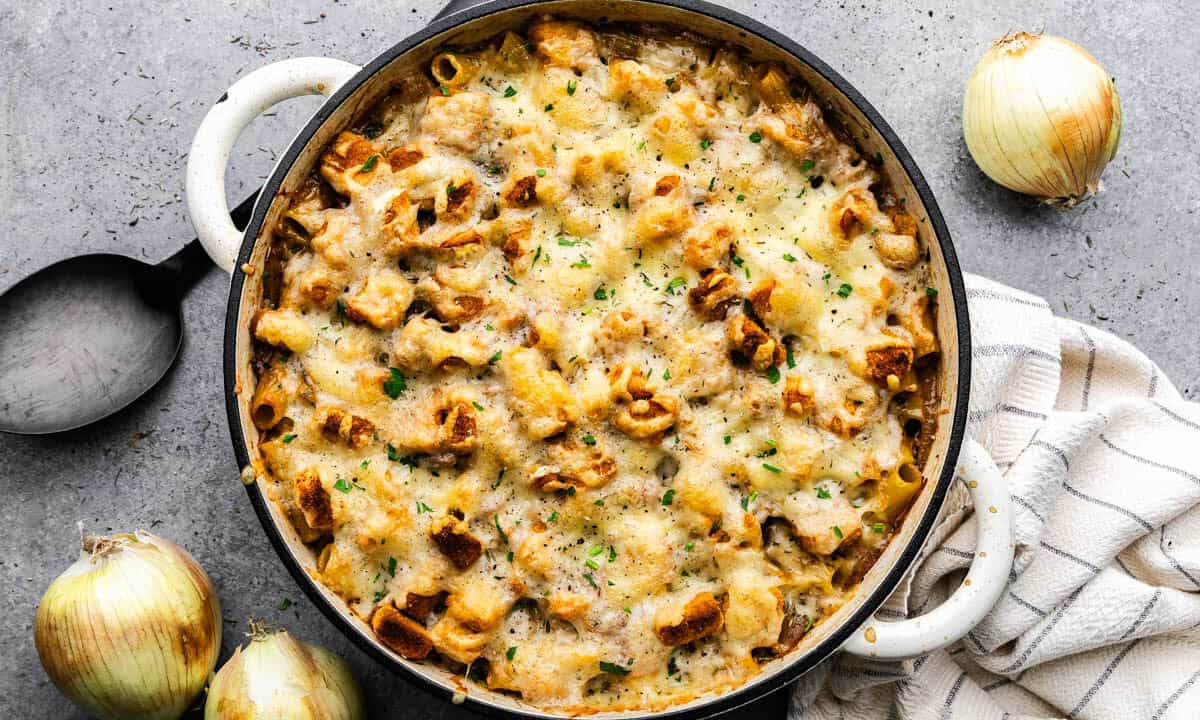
755, 137
791, 359
712, 183
740, 198
591, 581
705, 144
391, 568
669, 81
509, 280
878, 527
589, 440
753, 496
667, 374
600, 294
669, 496
342, 486
613, 668
499, 479
583, 262
931, 292
511, 652
689, 545
445, 90
728, 439
773, 374
541, 172
845, 290
510, 91
806, 165
772, 468
370, 163
477, 406
675, 284
553, 516
395, 384
422, 508
789, 257
571, 85
289, 437
837, 532
503, 535
823, 493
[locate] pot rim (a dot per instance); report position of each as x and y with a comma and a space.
755, 688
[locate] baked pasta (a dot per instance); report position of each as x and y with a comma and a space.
591, 365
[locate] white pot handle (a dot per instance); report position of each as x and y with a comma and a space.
979, 591
246, 99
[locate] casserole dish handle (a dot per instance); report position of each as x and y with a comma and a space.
246, 99
985, 580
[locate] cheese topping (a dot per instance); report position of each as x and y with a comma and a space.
591, 367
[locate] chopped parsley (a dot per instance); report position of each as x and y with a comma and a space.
583, 262
879, 527
728, 439
675, 284
541, 172
791, 359
289, 437
837, 532
712, 183
600, 294
549, 107
477, 406
931, 292
669, 496
395, 384
422, 508
773, 374
500, 530
592, 564
589, 440
755, 137
499, 478
509, 280
445, 90
391, 568
511, 652
553, 516
740, 198
789, 257
772, 468
669, 81
823, 493
510, 91
746, 501
571, 85
612, 553
591, 580
689, 545
495, 358
342, 485
806, 165
613, 668
599, 503
369, 165
704, 145
666, 374
845, 290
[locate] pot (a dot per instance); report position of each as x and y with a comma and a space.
350, 89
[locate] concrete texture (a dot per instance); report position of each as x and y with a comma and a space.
100, 100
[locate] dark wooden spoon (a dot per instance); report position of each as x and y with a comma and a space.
86, 336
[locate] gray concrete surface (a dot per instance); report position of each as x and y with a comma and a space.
100, 100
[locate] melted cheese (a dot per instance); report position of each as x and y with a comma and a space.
497, 330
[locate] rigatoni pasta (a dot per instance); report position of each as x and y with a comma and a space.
599, 366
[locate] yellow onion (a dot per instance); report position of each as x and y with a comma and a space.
277, 677
131, 630
1042, 117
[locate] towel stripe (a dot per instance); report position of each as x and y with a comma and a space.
1087, 697
1175, 696
1062, 609
1105, 504
1149, 462
1064, 554
1145, 613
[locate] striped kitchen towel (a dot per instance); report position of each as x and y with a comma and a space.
1101, 618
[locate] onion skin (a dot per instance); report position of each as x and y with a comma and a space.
1042, 117
131, 630
277, 677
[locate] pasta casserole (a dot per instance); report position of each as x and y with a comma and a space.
595, 365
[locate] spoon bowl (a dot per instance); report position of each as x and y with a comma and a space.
86, 336
82, 339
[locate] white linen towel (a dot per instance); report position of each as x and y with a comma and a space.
1101, 618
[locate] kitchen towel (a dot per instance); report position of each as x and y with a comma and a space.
1101, 617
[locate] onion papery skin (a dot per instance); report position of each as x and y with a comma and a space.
131, 630
277, 677
1042, 117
